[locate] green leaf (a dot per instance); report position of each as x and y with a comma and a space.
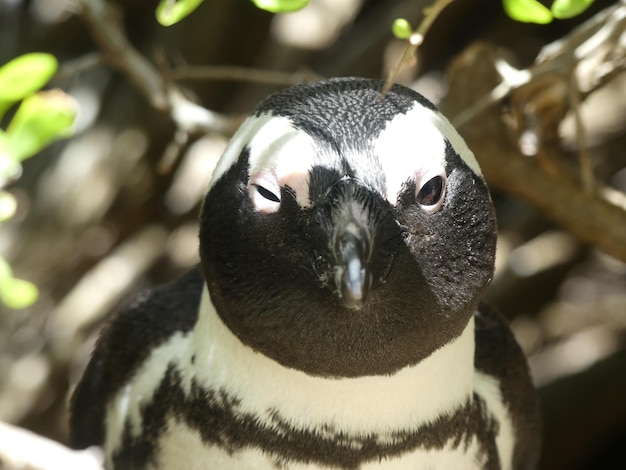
10, 168
23, 76
401, 28
527, 11
170, 12
281, 6
40, 119
15, 293
564, 9
5, 270
8, 205
18, 293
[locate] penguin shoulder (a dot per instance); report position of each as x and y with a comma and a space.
503, 380
125, 343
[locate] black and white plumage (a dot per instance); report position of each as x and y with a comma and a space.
335, 321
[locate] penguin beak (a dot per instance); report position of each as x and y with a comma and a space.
353, 277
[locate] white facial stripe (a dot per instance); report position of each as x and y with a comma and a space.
457, 142
286, 151
280, 146
275, 146
359, 406
413, 144
409, 147
246, 131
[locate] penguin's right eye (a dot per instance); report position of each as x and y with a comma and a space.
264, 192
267, 194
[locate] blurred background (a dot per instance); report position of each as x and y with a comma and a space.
113, 209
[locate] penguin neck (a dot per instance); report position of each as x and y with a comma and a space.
414, 395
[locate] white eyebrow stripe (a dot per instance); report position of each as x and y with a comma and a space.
415, 143
274, 144
286, 151
236, 145
408, 146
411, 144
458, 143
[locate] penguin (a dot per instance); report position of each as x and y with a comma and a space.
335, 320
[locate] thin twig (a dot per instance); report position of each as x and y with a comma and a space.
86, 62
414, 41
481, 104
172, 152
564, 55
106, 30
598, 218
242, 74
584, 160
104, 24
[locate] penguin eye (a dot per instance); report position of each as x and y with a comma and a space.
430, 195
264, 192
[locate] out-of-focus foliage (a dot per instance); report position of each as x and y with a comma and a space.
401, 28
8, 206
280, 6
41, 118
531, 11
170, 12
15, 293
527, 11
564, 9
23, 76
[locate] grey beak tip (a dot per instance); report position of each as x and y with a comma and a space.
353, 304
352, 273
354, 285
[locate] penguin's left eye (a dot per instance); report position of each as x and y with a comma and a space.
430, 195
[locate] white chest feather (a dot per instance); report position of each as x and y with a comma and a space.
362, 411
182, 446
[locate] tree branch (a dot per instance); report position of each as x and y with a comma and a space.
415, 40
241, 74
558, 194
593, 51
589, 217
104, 25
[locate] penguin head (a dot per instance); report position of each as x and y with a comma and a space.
345, 233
